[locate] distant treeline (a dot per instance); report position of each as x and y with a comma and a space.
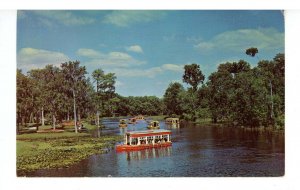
235, 93
53, 94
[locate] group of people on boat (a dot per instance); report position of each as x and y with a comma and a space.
148, 141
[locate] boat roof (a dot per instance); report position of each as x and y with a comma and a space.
148, 132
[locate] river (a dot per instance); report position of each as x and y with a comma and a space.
197, 151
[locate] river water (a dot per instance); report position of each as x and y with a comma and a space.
197, 151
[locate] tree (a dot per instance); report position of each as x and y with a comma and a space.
272, 72
73, 74
248, 107
97, 77
39, 77
172, 98
222, 87
193, 76
105, 92
24, 98
251, 51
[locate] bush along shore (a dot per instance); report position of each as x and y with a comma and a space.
58, 150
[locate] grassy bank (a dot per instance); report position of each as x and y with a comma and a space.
57, 150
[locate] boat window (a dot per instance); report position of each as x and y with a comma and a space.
134, 141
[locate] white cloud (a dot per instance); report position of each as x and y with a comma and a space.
172, 67
126, 18
90, 53
30, 58
123, 64
205, 46
111, 59
64, 17
239, 40
137, 72
146, 72
135, 48
119, 56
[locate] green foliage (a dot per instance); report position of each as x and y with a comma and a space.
104, 97
193, 75
245, 96
35, 153
251, 51
234, 93
279, 122
24, 98
173, 98
145, 105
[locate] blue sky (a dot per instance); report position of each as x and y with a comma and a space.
146, 49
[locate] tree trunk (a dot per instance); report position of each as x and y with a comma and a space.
272, 105
43, 119
98, 119
215, 120
22, 120
68, 117
31, 118
98, 124
79, 116
53, 121
99, 132
18, 122
74, 105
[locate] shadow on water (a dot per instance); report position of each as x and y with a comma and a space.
196, 151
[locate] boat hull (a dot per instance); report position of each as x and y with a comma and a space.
124, 147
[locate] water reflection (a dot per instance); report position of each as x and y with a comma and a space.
148, 153
172, 125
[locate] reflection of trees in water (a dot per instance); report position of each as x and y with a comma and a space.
172, 125
257, 138
149, 153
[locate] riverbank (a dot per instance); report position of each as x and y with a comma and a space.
208, 122
58, 150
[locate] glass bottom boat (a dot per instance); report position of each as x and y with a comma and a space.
139, 140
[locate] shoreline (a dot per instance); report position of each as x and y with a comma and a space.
58, 150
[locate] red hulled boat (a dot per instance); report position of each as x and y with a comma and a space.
139, 140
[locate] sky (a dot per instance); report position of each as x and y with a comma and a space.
147, 50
